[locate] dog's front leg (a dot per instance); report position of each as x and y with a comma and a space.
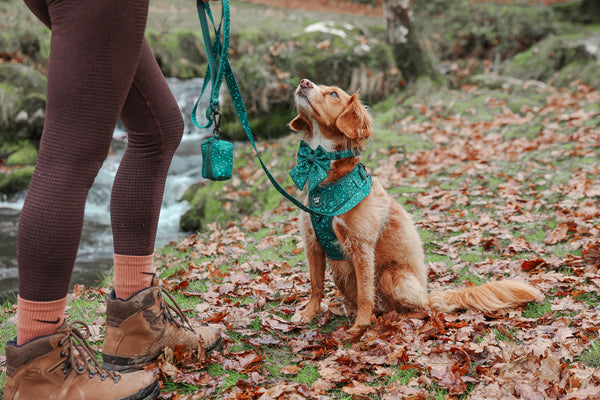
316, 264
364, 268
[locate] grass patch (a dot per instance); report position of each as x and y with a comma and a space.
307, 375
591, 355
537, 310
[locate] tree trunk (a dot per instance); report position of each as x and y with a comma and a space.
410, 57
590, 11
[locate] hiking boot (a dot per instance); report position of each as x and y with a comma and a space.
63, 366
140, 328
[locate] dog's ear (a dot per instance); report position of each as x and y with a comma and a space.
355, 121
299, 124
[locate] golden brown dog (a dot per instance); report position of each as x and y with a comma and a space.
384, 269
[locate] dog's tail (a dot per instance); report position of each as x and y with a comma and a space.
489, 297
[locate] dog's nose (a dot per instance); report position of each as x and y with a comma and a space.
305, 83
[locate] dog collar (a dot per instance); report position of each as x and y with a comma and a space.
313, 165
337, 197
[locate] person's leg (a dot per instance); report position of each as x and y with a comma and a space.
154, 128
93, 57
94, 54
139, 324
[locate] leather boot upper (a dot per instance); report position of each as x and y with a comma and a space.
62, 366
139, 328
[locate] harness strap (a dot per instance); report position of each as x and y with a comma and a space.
338, 197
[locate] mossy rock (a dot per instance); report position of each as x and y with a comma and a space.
11, 103
179, 54
484, 30
340, 54
23, 33
23, 77
22, 95
26, 155
578, 11
15, 181
225, 201
194, 219
558, 60
270, 126
330, 53
207, 201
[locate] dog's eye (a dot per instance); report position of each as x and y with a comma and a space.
334, 94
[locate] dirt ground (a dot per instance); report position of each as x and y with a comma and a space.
339, 6
347, 7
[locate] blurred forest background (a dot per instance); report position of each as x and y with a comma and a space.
373, 46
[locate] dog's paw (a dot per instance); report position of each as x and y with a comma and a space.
297, 318
355, 333
301, 318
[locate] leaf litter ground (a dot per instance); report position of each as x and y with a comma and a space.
501, 183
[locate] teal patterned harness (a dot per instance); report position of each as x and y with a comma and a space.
340, 196
334, 198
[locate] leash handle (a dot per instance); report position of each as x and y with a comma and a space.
224, 70
214, 49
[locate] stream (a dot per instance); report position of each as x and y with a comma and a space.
94, 258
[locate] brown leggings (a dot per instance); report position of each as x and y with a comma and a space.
100, 68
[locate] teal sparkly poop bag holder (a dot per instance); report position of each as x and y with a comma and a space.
217, 154
324, 200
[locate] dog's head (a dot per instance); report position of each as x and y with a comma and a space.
330, 117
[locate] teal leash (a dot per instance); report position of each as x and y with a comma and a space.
223, 69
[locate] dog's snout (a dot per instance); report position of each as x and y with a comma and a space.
305, 83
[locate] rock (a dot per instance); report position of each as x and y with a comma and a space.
15, 181
559, 60
179, 54
194, 220
22, 94
26, 155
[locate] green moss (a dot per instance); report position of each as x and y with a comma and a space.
26, 155
179, 53
591, 356
270, 126
562, 59
11, 102
537, 310
212, 201
308, 375
529, 131
15, 181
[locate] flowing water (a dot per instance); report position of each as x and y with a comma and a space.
94, 258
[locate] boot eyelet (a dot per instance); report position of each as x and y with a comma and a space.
116, 379
64, 369
62, 354
80, 368
102, 377
92, 373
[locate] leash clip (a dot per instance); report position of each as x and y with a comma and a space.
216, 117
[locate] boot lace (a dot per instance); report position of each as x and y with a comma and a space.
170, 311
78, 354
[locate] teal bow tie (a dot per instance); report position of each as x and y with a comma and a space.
313, 165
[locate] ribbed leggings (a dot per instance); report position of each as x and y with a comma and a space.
100, 68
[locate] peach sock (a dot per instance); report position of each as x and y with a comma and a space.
132, 274
38, 318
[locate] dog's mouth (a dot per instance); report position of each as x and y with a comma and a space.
303, 101
301, 94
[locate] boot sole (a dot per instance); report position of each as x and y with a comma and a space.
150, 392
130, 364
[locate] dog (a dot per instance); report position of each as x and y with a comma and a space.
383, 267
